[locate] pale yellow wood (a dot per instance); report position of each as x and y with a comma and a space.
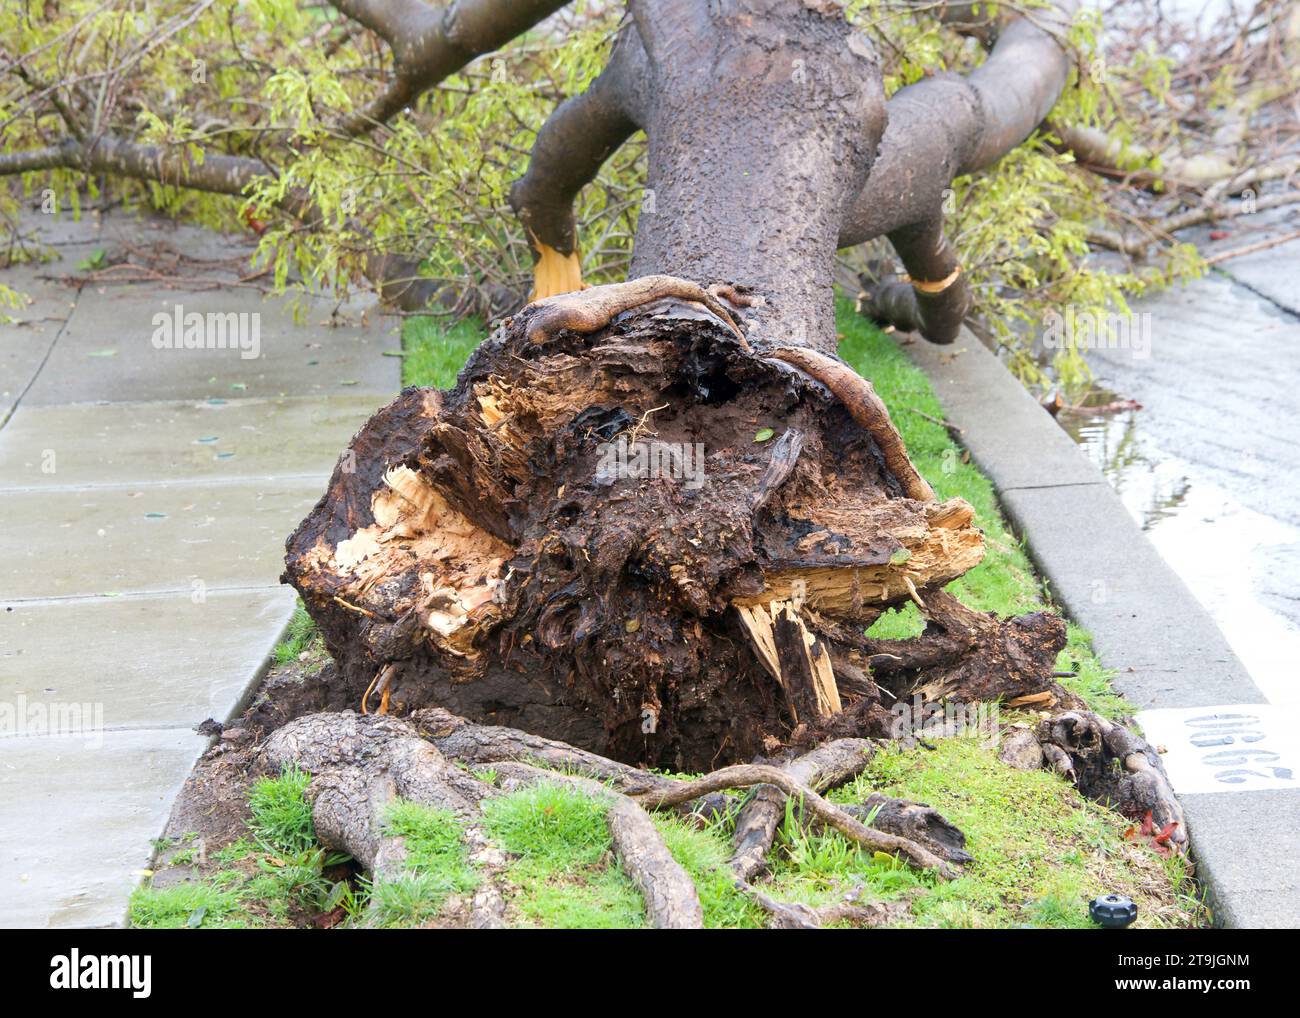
759, 622
555, 273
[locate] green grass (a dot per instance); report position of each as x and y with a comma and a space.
190, 905
258, 889
436, 865
565, 872
272, 878
281, 813
300, 636
1041, 850
704, 854
434, 352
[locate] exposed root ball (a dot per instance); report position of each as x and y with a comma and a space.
641, 539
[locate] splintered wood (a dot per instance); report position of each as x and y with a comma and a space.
794, 657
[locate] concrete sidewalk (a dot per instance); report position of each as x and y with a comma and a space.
146, 494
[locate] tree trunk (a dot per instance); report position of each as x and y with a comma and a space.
654, 519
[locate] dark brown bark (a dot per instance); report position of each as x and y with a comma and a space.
764, 119
934, 298
968, 656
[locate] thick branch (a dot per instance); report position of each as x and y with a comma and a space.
49, 158
943, 127
430, 43
935, 297
939, 129
573, 144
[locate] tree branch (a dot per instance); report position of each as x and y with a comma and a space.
571, 147
48, 158
941, 128
568, 152
430, 43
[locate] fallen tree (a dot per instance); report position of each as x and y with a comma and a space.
653, 520
471, 551
487, 551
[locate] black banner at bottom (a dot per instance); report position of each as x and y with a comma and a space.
238, 968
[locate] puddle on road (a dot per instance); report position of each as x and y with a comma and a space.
1221, 549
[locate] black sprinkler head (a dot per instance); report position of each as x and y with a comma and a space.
1112, 911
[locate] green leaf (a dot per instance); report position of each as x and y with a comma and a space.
96, 260
763, 434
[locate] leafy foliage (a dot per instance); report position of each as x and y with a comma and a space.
272, 78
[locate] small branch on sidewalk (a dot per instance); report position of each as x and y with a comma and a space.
1262, 245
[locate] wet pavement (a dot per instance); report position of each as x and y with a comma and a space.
1210, 464
148, 480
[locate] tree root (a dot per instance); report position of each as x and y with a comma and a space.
794, 915
360, 764
746, 775
1086, 748
671, 900
826, 767
518, 551
916, 821
592, 309
971, 657
472, 743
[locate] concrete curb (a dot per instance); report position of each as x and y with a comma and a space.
1172, 662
